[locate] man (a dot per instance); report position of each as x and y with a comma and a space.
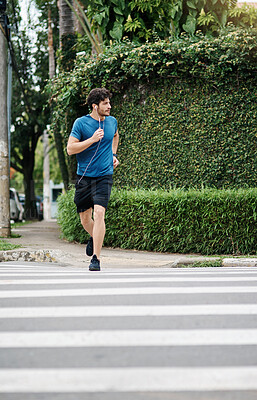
94, 139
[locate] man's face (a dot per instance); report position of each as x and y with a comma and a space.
104, 107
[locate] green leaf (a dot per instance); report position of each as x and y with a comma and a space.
191, 4
120, 19
117, 10
122, 4
99, 17
224, 18
190, 25
117, 31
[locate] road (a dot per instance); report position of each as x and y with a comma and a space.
177, 334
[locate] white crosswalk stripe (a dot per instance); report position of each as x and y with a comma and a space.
129, 338
128, 311
143, 379
127, 280
126, 291
62, 352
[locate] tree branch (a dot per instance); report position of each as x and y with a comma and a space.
16, 167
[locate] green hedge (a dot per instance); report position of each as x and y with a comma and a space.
188, 134
186, 109
204, 221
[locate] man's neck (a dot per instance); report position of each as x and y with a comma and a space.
94, 114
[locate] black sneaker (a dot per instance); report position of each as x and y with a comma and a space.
95, 264
89, 248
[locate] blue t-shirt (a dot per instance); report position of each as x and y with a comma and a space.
102, 163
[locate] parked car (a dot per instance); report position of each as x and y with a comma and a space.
39, 205
16, 208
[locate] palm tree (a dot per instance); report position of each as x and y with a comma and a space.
66, 19
83, 22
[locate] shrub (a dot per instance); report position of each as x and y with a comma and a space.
188, 134
68, 218
186, 109
206, 221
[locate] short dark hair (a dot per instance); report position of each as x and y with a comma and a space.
97, 95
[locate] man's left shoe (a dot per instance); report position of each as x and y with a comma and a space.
94, 264
89, 248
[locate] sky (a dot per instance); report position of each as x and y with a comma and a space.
24, 5
28, 6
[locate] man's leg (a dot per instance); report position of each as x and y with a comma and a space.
87, 221
98, 229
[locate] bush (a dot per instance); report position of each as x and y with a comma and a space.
188, 135
68, 219
186, 109
206, 221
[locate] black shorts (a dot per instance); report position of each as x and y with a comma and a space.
90, 191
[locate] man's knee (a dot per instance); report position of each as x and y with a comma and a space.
99, 212
86, 216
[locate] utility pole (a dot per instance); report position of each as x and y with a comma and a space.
9, 96
5, 229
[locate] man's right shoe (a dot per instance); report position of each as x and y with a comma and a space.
89, 248
94, 264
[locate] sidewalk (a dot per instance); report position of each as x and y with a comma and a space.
40, 241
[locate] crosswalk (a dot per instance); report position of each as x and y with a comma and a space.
184, 333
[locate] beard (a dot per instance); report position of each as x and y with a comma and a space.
103, 113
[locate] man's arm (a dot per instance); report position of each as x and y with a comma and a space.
115, 143
74, 146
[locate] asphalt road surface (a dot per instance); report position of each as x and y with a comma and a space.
129, 334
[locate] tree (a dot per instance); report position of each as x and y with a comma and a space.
51, 19
84, 27
67, 35
67, 56
191, 15
245, 16
28, 117
212, 19
138, 19
150, 16
143, 20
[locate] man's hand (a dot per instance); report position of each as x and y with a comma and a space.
115, 162
98, 135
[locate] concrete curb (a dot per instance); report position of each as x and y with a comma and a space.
239, 262
31, 255
40, 242
60, 257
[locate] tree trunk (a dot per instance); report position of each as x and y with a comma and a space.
30, 209
28, 163
67, 57
57, 135
50, 46
66, 19
4, 156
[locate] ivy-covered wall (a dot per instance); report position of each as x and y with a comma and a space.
187, 133
186, 108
